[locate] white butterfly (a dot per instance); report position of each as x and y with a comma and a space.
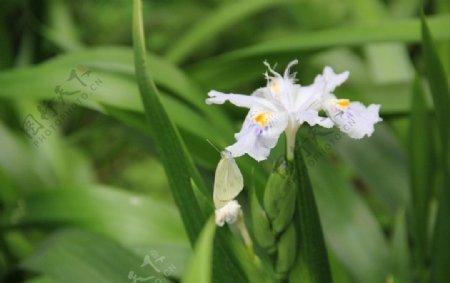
228, 182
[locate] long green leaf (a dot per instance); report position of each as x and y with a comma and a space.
118, 214
400, 249
73, 256
420, 175
312, 251
395, 31
388, 62
351, 230
199, 268
438, 85
213, 24
113, 67
383, 155
62, 30
51, 170
441, 100
177, 162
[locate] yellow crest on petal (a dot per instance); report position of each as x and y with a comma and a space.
343, 103
262, 118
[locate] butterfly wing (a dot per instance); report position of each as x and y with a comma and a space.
228, 182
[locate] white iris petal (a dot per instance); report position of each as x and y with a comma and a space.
259, 134
329, 80
313, 118
355, 120
240, 100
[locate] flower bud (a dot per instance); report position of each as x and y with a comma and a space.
279, 198
286, 212
287, 251
261, 226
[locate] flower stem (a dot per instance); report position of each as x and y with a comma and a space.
245, 235
290, 142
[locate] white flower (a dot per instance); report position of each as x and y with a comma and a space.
228, 213
353, 118
282, 106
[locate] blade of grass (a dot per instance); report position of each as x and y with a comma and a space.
350, 228
438, 84
384, 150
388, 62
441, 99
200, 264
177, 162
394, 31
443, 7
400, 250
420, 176
92, 207
114, 67
312, 251
77, 256
213, 24
62, 30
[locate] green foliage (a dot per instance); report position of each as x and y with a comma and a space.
420, 174
312, 257
441, 99
88, 258
177, 161
200, 265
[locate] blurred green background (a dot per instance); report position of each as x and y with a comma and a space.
83, 193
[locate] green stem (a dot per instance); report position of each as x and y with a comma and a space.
245, 235
290, 142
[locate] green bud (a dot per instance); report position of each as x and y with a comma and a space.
277, 180
287, 251
287, 209
279, 198
261, 226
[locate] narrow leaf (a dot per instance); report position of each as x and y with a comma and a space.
312, 250
104, 210
177, 162
400, 249
383, 149
351, 230
199, 268
438, 85
420, 174
73, 256
393, 31
441, 99
213, 24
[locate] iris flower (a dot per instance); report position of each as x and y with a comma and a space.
283, 105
